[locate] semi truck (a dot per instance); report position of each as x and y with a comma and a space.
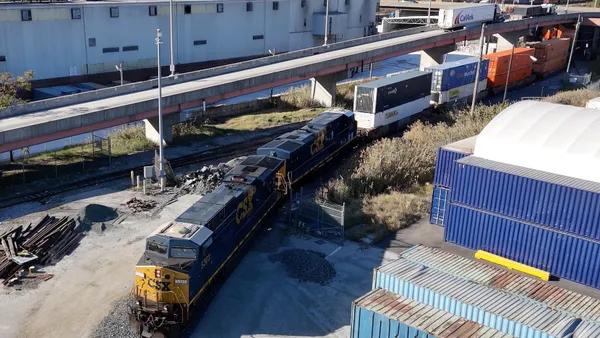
475, 14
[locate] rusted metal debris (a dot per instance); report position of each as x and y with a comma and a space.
43, 243
138, 205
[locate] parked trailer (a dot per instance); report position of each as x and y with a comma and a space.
469, 15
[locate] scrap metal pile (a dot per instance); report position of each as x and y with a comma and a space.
138, 205
204, 180
43, 243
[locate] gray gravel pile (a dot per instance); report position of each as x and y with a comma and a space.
95, 217
116, 324
204, 180
306, 265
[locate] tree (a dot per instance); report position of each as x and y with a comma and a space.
10, 87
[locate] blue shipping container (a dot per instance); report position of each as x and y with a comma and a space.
564, 255
564, 203
454, 74
382, 314
482, 304
552, 296
446, 156
439, 202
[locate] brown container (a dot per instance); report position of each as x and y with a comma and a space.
516, 75
499, 61
550, 65
548, 50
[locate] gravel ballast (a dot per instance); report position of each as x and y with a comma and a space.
306, 265
116, 324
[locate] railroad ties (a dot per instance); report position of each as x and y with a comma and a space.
43, 243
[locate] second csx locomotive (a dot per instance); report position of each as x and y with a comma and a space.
184, 257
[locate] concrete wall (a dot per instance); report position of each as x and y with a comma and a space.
54, 44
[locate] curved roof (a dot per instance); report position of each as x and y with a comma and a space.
550, 137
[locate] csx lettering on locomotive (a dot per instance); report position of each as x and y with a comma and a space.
245, 206
158, 285
319, 142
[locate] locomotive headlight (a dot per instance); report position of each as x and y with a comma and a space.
166, 308
157, 273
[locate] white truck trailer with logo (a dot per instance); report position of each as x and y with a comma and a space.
475, 14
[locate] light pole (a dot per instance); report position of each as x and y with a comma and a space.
326, 22
120, 69
172, 65
567, 8
161, 166
573, 45
429, 14
478, 69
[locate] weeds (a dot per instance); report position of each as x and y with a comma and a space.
578, 97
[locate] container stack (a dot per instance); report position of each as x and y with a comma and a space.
453, 81
551, 55
521, 69
430, 292
529, 192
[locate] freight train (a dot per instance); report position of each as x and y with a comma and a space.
185, 259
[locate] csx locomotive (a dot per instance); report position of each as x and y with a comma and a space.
185, 257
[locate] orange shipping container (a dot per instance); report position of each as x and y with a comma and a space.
515, 75
548, 50
499, 61
550, 65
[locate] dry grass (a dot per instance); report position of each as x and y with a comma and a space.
299, 97
577, 97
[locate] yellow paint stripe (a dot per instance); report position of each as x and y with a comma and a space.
544, 275
232, 253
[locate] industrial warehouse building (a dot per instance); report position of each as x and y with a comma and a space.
83, 38
527, 188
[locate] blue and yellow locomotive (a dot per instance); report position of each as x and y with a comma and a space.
184, 257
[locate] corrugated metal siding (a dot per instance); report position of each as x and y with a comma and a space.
439, 203
479, 303
382, 314
587, 330
564, 255
555, 297
528, 195
444, 166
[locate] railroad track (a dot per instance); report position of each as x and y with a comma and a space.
44, 196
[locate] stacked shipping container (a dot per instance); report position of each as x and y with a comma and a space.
521, 68
551, 55
453, 81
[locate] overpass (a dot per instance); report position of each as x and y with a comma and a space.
48, 120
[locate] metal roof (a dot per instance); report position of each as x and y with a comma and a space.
550, 137
393, 79
463, 146
473, 301
555, 297
532, 173
437, 322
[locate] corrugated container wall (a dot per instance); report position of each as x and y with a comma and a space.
563, 255
478, 303
497, 80
382, 314
499, 61
556, 201
547, 50
550, 65
387, 93
439, 204
450, 75
552, 296
458, 93
446, 155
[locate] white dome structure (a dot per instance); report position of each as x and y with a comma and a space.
550, 137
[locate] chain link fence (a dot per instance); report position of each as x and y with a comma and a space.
311, 214
95, 153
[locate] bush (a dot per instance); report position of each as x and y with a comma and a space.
299, 97
578, 97
128, 140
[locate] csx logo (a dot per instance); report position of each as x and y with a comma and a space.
245, 206
319, 142
158, 285
393, 91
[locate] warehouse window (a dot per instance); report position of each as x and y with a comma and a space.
275, 5
26, 15
110, 50
303, 3
114, 12
2, 58
258, 37
75, 13
129, 48
187, 9
92, 42
249, 7
152, 10
220, 8
199, 42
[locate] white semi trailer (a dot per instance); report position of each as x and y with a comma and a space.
474, 14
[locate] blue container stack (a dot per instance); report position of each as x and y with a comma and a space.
450, 75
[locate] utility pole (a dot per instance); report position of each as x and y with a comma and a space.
574, 43
512, 54
429, 14
478, 69
172, 65
326, 22
567, 8
120, 69
161, 172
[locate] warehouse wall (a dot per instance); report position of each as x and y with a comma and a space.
57, 44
